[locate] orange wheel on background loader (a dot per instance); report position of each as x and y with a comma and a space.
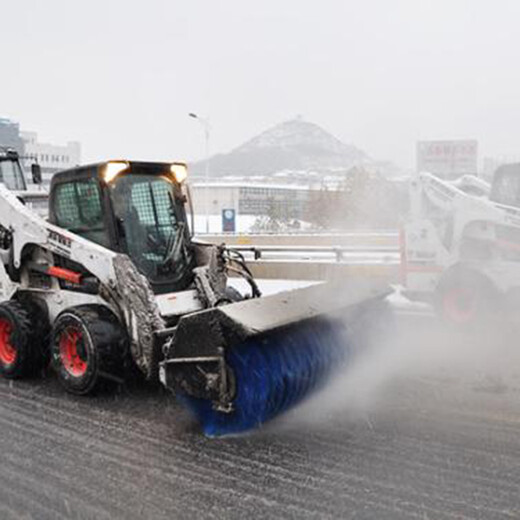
460, 305
467, 299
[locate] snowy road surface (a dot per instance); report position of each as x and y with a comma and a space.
421, 445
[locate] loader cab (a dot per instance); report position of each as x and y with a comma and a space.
506, 185
136, 208
11, 173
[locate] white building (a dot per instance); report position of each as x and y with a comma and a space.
279, 201
51, 157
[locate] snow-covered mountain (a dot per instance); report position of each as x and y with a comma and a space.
291, 146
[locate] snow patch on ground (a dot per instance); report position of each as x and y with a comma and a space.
400, 302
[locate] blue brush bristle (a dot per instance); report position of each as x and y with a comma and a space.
274, 373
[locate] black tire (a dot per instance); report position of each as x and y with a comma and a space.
467, 300
41, 328
20, 343
88, 349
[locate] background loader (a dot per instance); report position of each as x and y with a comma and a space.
113, 279
461, 245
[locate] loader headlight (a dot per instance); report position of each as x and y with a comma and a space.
113, 169
179, 171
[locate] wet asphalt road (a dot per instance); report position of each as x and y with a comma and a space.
430, 446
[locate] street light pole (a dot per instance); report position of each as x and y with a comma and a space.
204, 121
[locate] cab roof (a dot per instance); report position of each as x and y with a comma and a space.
95, 169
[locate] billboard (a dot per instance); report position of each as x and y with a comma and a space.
448, 159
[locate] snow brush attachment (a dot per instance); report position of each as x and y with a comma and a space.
240, 365
272, 373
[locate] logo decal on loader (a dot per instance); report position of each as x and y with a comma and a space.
62, 243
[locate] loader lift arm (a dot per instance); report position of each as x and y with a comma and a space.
460, 214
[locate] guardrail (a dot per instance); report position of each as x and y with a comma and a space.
338, 252
355, 238
355, 233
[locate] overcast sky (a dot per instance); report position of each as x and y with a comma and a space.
121, 76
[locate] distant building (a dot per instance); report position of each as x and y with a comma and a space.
448, 159
51, 157
246, 198
10, 135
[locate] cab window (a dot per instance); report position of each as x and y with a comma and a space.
11, 175
506, 186
78, 208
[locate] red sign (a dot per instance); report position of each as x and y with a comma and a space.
447, 159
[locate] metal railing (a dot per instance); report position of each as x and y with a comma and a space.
338, 252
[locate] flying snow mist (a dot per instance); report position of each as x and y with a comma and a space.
415, 350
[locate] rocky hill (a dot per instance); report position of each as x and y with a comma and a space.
291, 146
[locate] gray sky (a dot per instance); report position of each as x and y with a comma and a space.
121, 76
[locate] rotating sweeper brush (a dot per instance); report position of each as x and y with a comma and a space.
240, 365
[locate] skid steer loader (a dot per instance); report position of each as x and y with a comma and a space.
113, 280
461, 246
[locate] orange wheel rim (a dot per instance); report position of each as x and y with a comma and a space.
72, 352
7, 350
460, 305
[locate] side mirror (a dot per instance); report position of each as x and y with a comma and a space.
36, 172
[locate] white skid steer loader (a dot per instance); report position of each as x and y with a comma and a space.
461, 245
113, 279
